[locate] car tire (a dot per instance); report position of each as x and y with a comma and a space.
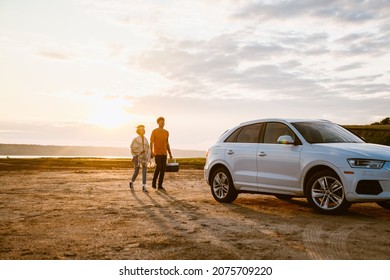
325, 193
384, 204
222, 187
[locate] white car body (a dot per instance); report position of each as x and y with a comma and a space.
284, 169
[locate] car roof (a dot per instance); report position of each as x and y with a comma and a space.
226, 133
283, 120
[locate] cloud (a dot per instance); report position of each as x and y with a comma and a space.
365, 43
260, 61
348, 67
227, 67
54, 54
218, 62
337, 10
364, 91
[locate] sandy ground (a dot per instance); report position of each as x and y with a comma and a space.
92, 214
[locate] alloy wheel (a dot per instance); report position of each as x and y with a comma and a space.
327, 193
221, 185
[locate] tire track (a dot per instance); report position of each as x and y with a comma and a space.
322, 244
185, 224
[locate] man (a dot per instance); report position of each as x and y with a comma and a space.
159, 145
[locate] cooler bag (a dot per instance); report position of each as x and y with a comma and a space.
172, 166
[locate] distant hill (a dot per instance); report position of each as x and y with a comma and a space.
80, 151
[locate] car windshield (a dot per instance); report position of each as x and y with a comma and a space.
324, 132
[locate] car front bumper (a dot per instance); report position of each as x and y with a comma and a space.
368, 184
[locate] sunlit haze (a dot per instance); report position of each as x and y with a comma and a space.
87, 72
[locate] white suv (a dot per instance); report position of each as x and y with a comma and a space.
316, 159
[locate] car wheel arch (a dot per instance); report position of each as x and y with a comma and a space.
215, 167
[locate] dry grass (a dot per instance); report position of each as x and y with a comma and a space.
15, 164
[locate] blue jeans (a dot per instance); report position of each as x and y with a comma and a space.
136, 170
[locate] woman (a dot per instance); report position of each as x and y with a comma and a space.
141, 156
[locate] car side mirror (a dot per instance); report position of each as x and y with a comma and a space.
285, 139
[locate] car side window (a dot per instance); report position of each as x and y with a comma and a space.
249, 134
274, 130
233, 136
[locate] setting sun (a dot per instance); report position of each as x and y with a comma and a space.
109, 114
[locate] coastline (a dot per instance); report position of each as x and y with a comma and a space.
31, 150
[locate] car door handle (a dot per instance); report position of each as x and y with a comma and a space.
230, 152
262, 154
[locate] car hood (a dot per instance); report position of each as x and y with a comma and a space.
358, 150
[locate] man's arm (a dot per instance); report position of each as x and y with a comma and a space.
169, 148
151, 146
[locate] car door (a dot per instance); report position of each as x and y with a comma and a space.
241, 156
278, 164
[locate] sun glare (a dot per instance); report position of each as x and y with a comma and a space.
109, 114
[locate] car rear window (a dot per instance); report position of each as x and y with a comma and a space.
246, 134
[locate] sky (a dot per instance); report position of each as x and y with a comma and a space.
87, 72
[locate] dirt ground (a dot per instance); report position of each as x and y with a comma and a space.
92, 214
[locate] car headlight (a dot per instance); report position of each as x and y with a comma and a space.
366, 163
